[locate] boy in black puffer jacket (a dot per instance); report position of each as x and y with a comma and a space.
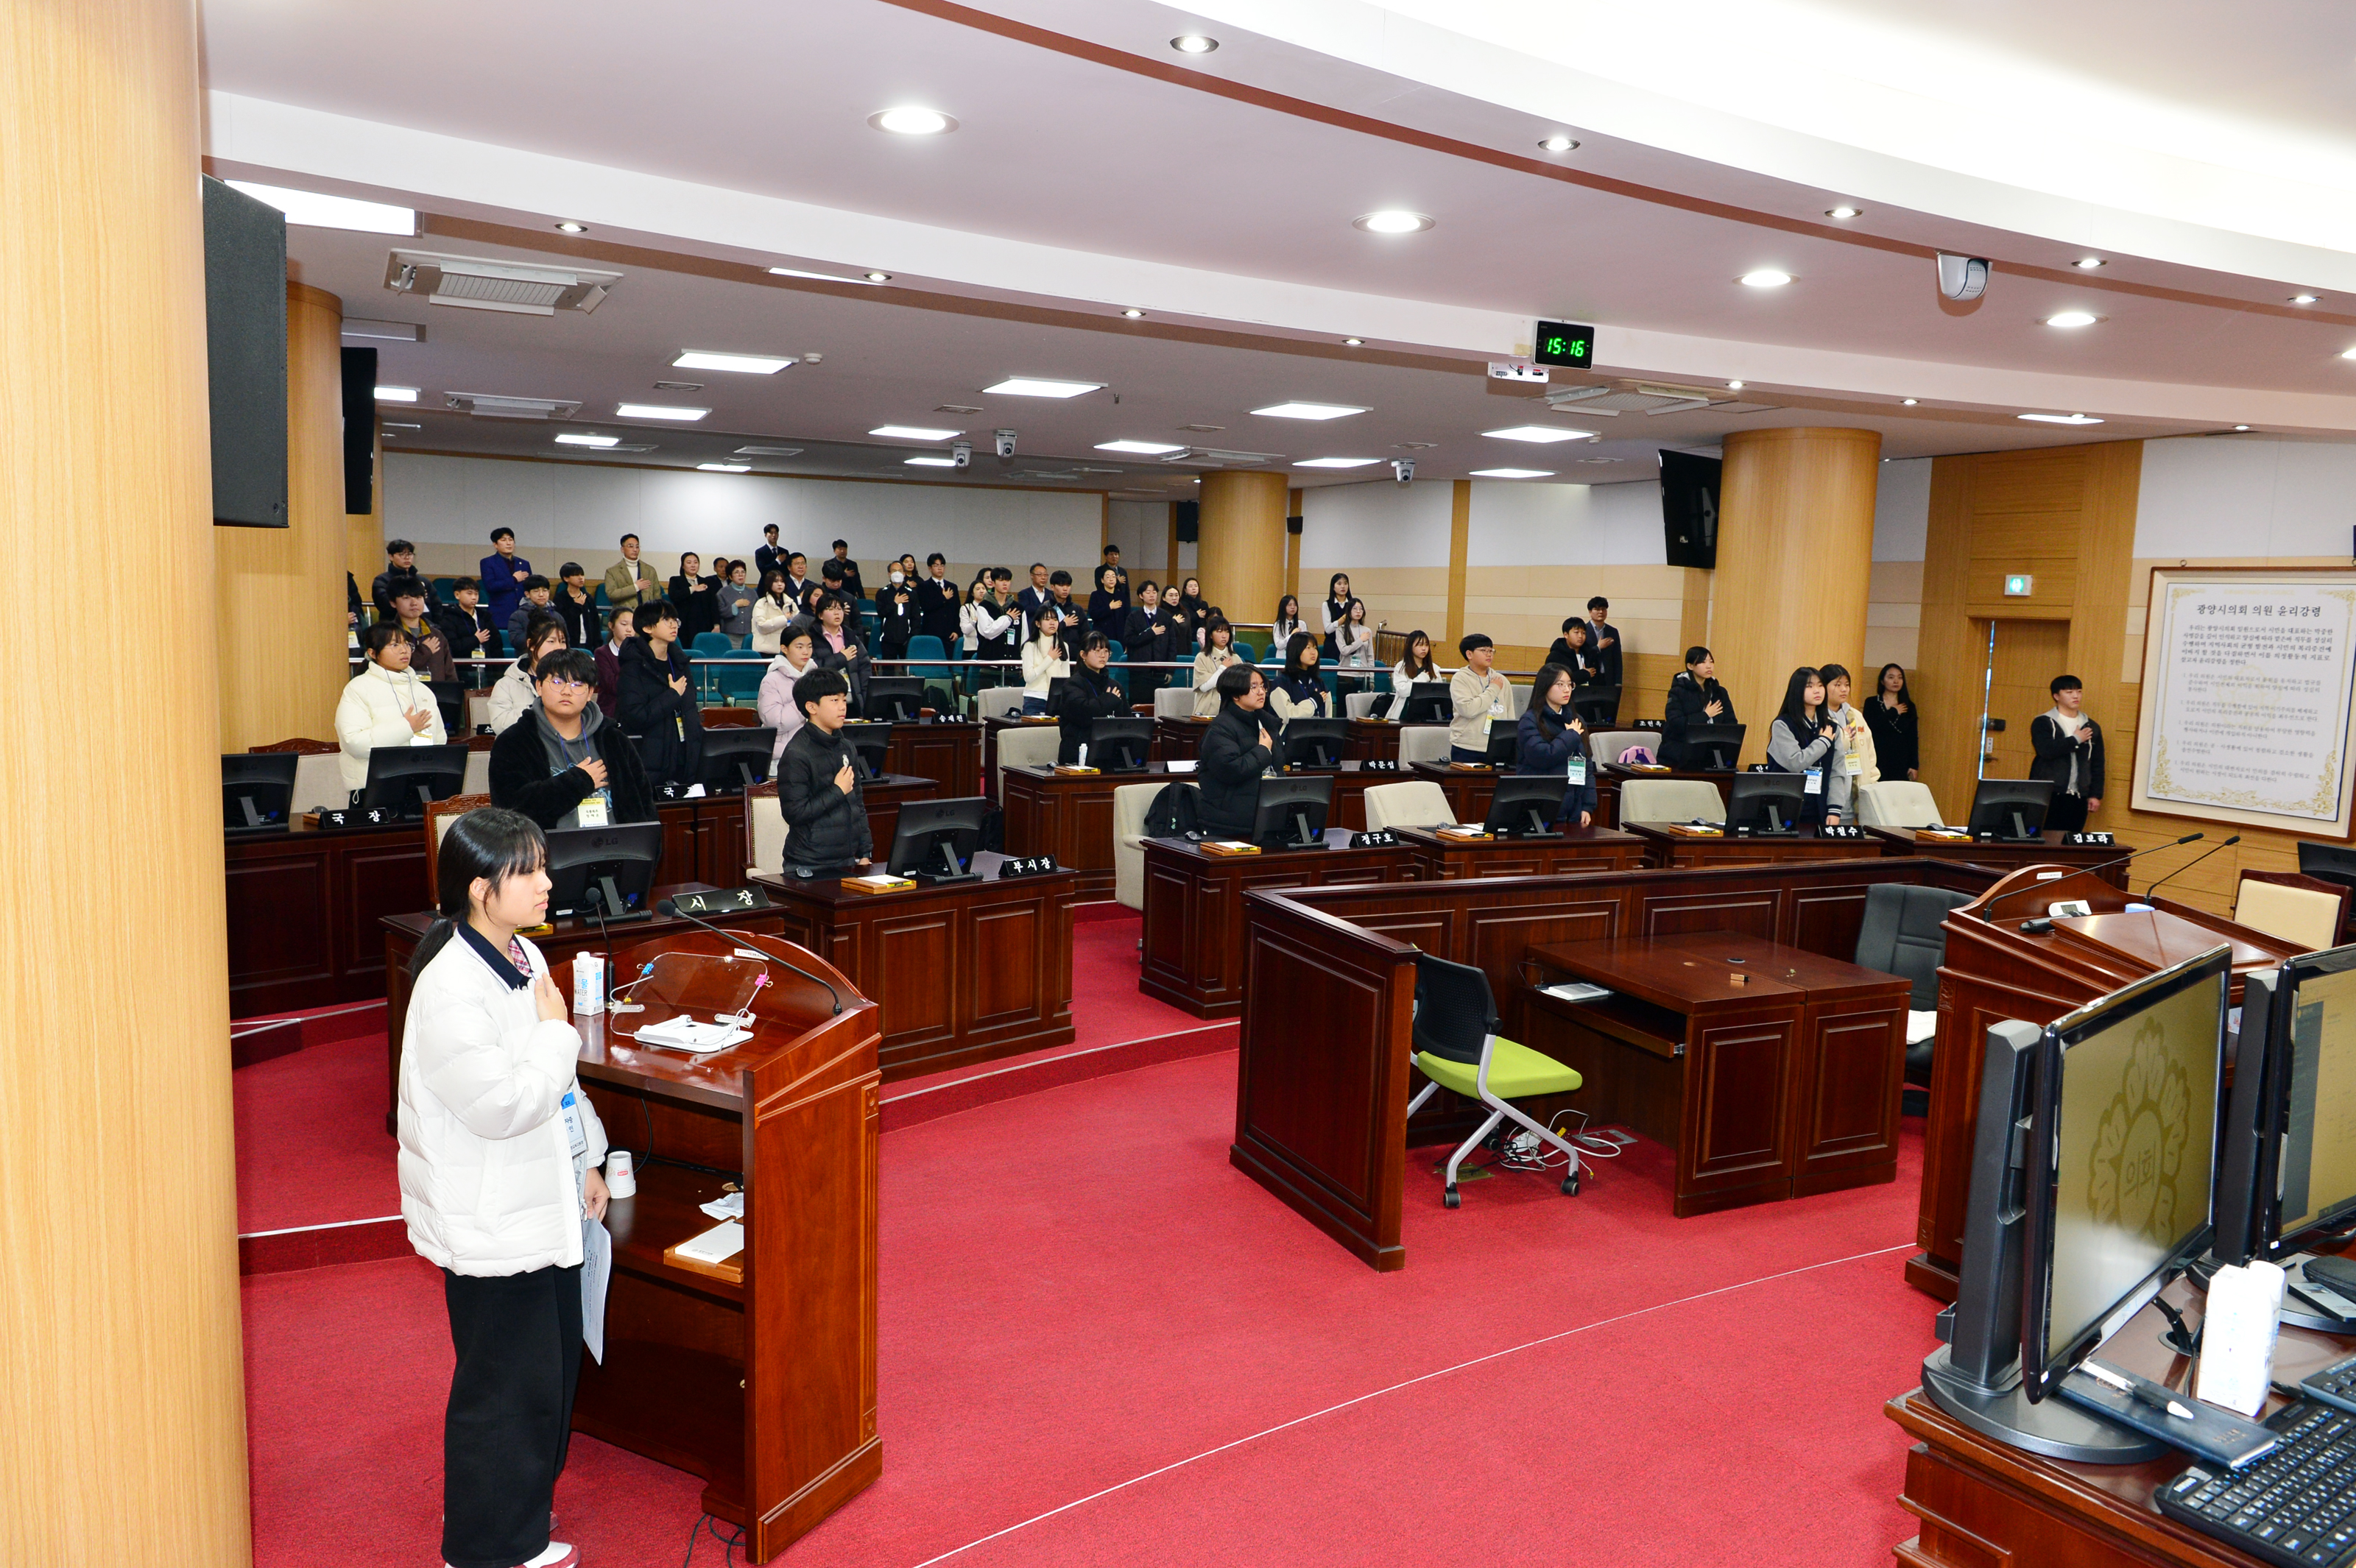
820, 792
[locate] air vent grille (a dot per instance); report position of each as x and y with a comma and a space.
473, 282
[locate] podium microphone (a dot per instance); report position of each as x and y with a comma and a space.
671, 907
1988, 914
2188, 865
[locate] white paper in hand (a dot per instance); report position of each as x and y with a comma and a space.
596, 1272
2237, 1340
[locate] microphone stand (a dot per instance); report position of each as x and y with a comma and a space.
671, 907
2188, 865
1988, 912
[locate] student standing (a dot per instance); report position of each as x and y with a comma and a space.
1299, 691
1334, 611
837, 647
1552, 744
430, 654
1108, 606
512, 693
1415, 666
503, 573
1217, 656
1804, 739
982, 629
563, 763
937, 602
1043, 662
619, 628
1356, 641
1697, 704
695, 597
848, 569
819, 789
1857, 754
630, 581
1287, 622
773, 611
778, 709
768, 558
1604, 639
1237, 748
1574, 651
498, 1168
1093, 694
1194, 614
469, 626
535, 604
1897, 728
1481, 698
2069, 747
387, 704
575, 606
401, 564
656, 704
1112, 561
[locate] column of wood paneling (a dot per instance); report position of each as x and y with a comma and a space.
1170, 572
1459, 555
1951, 654
1240, 554
1291, 544
1794, 561
283, 646
2098, 619
122, 1393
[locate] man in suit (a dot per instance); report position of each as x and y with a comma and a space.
937, 601
1603, 648
768, 558
1036, 597
629, 582
1112, 558
502, 574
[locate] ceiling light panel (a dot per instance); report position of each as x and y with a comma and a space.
2073, 318
573, 438
1034, 386
656, 411
725, 468
931, 461
1392, 220
1138, 448
1308, 411
396, 394
1764, 278
313, 210
2060, 419
1513, 473
1539, 432
830, 277
912, 433
743, 364
1336, 462
476, 282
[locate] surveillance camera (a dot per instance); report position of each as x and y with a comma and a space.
813, 358
1963, 277
1005, 443
961, 454
1403, 469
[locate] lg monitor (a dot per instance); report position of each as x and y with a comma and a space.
1315, 743
734, 760
2011, 810
1715, 748
605, 870
873, 744
1766, 803
1504, 746
1597, 707
894, 698
451, 699
257, 790
936, 840
2331, 862
1120, 744
2120, 1159
1426, 703
2288, 1169
1291, 813
406, 778
1526, 806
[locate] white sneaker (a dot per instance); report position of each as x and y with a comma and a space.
558, 1555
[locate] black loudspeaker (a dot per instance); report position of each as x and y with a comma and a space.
245, 347
1189, 517
360, 430
1689, 507
1293, 525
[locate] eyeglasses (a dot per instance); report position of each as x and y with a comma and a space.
567, 685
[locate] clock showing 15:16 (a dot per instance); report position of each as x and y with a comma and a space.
1560, 343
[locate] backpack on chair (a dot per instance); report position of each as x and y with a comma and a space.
1172, 813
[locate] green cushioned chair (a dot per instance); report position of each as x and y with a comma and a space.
1456, 1046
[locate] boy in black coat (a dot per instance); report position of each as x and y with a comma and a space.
1093, 694
1696, 702
819, 789
1237, 748
563, 763
2068, 748
658, 698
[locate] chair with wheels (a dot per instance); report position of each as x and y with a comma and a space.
1416, 803
1456, 1046
1902, 934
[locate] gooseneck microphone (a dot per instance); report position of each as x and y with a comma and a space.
2188, 865
1988, 912
671, 907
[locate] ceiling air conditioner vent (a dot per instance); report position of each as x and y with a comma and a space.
519, 288
491, 405
1214, 457
1629, 399
768, 451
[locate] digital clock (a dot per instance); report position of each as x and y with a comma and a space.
1559, 343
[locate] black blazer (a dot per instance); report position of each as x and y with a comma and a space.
521, 780
1580, 662
2053, 749
937, 609
698, 612
1606, 661
1896, 737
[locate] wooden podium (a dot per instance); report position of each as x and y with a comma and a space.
765, 1386
1996, 971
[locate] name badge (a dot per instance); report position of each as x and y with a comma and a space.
1853, 763
574, 1130
1578, 770
1816, 785
591, 812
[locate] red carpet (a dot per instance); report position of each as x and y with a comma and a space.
1085, 1309
311, 1143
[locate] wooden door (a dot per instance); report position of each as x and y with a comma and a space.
2023, 658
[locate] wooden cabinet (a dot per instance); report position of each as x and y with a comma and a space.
1194, 911
303, 914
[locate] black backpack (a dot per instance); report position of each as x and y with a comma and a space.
1173, 813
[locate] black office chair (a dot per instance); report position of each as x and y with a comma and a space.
1902, 935
1456, 1046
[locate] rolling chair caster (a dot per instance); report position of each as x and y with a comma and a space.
1451, 1199
1570, 1185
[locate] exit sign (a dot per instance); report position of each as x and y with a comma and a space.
2018, 584
1560, 343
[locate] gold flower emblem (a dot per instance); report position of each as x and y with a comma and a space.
2132, 1179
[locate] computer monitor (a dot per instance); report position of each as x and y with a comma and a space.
1426, 703
1715, 748
609, 868
2011, 809
872, 742
451, 698
1056, 686
1504, 746
1291, 813
257, 790
1315, 743
2331, 862
1120, 744
2120, 1159
936, 840
1766, 803
2288, 1169
1526, 806
1597, 707
893, 698
404, 778
735, 760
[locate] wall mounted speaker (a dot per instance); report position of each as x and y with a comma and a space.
360, 430
245, 351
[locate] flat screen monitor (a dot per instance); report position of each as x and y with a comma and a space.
1426, 703
2288, 1169
2011, 809
1315, 743
735, 760
1120, 744
1291, 813
2121, 1159
257, 789
609, 871
2331, 862
894, 698
1596, 705
1526, 806
405, 778
1056, 686
1766, 803
1504, 746
872, 742
1715, 748
936, 840
451, 699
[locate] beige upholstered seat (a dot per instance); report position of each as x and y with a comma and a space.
2302, 916
1422, 743
1896, 802
439, 815
1174, 702
1129, 804
1521, 699
478, 710
1361, 704
1419, 803
1605, 745
999, 702
478, 775
1669, 800
765, 831
1032, 744
319, 784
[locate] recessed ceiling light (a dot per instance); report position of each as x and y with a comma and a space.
1308, 411
1766, 278
569, 227
1558, 143
396, 424
313, 210
1193, 44
725, 468
1141, 448
1734, 386
1032, 386
744, 364
396, 394
2060, 419
1132, 313
2241, 427
568, 438
1908, 402
1353, 343
829, 277
1539, 432
1391, 220
2073, 318
1598, 460
1844, 212
1336, 462
679, 386
2088, 263
656, 411
879, 277
2348, 353
910, 120
2303, 299
930, 462
912, 433
1513, 473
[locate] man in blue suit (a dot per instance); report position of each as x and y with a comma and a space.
503, 573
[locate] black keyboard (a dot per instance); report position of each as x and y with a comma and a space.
2335, 1385
2295, 1506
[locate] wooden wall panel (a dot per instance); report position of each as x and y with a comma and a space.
1240, 554
122, 1389
1460, 551
1947, 679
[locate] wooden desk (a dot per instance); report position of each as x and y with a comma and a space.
946, 751
1775, 1072
1069, 815
2049, 850
303, 911
723, 845
765, 1388
1610, 776
1572, 849
1195, 909
1669, 850
403, 932
993, 727
1178, 739
1995, 971
1468, 789
962, 973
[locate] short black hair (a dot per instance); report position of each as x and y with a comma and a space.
399, 547
1059, 580
571, 664
535, 581
1695, 655
831, 571
2063, 683
383, 635
405, 587
768, 528
1471, 640
1094, 641
627, 537
1234, 681
1038, 566
937, 556
466, 583
816, 687
569, 569
1599, 602
793, 556
499, 534
1112, 550
653, 614
1833, 672
839, 544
